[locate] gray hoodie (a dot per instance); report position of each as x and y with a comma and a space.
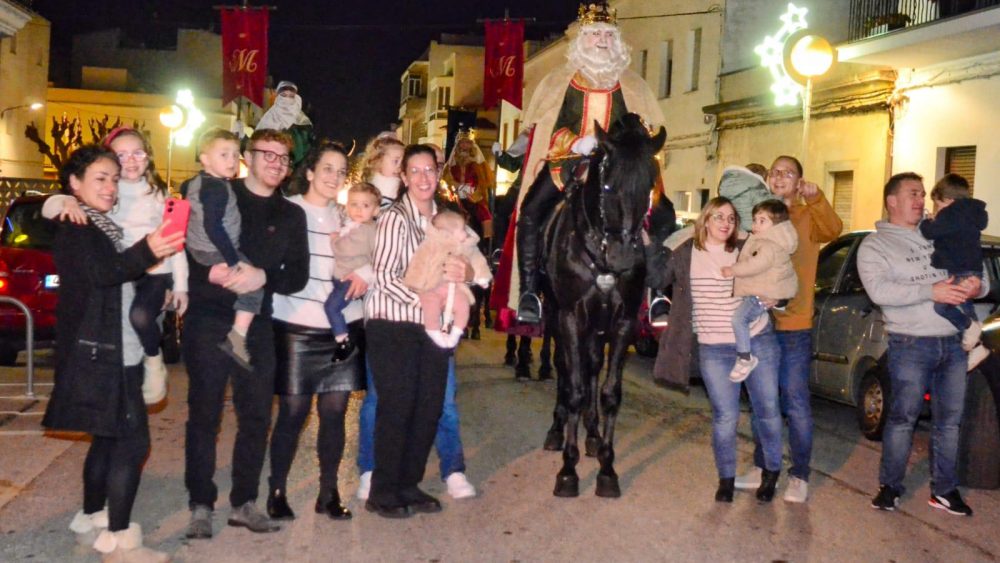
895, 266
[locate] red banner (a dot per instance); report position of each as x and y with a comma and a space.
244, 54
504, 67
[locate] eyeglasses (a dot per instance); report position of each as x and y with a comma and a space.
786, 174
432, 170
271, 156
137, 155
720, 218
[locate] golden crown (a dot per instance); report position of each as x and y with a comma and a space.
597, 13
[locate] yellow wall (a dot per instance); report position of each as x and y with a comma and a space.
855, 142
94, 104
24, 70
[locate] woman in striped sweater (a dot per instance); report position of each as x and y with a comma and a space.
695, 271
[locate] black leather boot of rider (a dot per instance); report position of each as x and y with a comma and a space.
529, 307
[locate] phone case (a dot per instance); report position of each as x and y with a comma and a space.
178, 211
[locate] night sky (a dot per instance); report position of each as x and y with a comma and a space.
346, 60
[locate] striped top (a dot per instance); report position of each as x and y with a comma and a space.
401, 229
712, 296
305, 307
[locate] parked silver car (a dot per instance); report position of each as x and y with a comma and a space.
849, 338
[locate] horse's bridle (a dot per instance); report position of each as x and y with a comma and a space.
596, 246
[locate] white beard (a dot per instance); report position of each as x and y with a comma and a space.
601, 67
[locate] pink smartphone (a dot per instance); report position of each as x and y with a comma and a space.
178, 211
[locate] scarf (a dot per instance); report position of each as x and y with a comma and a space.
388, 186
107, 226
283, 114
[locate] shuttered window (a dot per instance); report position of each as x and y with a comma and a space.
843, 196
962, 161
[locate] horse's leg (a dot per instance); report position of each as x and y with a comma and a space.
611, 400
545, 354
591, 419
478, 294
509, 358
571, 367
554, 437
487, 317
523, 368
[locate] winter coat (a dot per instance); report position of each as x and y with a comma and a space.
425, 270
88, 395
353, 249
745, 190
764, 267
955, 233
678, 354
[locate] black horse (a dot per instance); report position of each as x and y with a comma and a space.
594, 281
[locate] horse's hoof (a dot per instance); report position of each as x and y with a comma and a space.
488, 322
544, 372
509, 360
474, 333
553, 441
567, 486
593, 444
522, 371
607, 486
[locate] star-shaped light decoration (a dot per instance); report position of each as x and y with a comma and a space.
771, 53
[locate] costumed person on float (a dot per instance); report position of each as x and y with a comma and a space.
470, 179
286, 115
595, 85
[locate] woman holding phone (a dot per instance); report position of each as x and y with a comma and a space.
139, 210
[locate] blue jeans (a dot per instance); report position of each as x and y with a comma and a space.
918, 364
793, 387
334, 307
448, 441
716, 363
745, 315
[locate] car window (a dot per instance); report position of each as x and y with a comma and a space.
831, 261
24, 227
991, 269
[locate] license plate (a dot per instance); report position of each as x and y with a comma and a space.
52, 281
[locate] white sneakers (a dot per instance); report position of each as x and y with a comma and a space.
88, 526
970, 338
742, 368
459, 487
365, 485
154, 381
797, 491
750, 479
977, 355
125, 546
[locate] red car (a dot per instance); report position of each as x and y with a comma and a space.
27, 273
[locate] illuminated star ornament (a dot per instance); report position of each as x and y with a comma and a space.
192, 119
786, 90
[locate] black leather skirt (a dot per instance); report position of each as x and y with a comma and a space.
304, 363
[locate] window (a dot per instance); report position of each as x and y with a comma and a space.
843, 196
443, 97
414, 86
682, 201
666, 67
961, 161
831, 261
13, 44
643, 60
517, 128
694, 54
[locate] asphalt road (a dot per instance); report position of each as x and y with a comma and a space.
666, 511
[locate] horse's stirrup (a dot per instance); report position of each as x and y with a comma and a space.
658, 320
529, 309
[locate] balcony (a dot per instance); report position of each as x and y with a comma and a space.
920, 33
869, 18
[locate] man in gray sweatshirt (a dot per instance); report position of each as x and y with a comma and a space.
925, 350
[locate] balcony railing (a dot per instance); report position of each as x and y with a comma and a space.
869, 18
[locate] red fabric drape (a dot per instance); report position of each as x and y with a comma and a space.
504, 66
244, 54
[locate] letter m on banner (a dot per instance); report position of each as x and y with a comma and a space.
244, 54
504, 65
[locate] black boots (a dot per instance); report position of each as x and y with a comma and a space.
277, 506
529, 307
725, 491
330, 505
768, 480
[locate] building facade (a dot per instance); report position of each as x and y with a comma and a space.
24, 71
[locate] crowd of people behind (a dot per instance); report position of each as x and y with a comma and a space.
284, 291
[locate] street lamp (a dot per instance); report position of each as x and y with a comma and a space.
33, 106
182, 119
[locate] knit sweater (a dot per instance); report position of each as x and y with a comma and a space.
816, 223
388, 186
712, 296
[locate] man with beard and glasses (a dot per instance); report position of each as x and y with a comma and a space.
596, 85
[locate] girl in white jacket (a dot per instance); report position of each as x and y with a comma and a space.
139, 211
